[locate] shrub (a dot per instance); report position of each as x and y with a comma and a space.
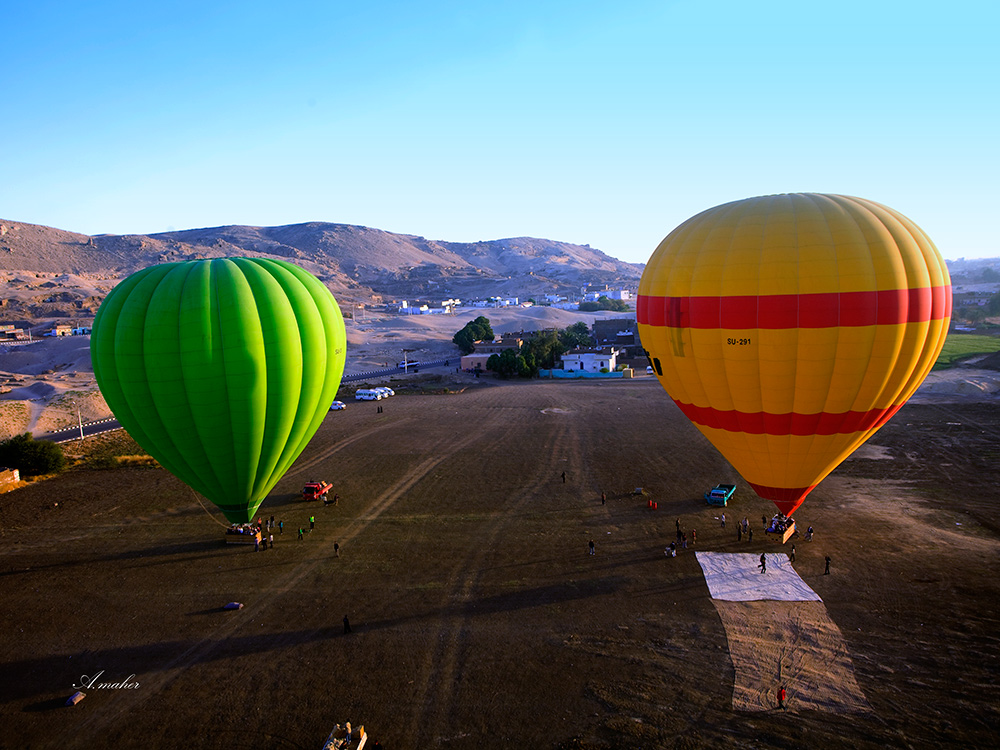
31, 457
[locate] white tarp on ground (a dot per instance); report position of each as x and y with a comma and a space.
736, 577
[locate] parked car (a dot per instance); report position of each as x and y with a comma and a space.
367, 394
337, 406
385, 390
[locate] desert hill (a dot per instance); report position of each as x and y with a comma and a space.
357, 263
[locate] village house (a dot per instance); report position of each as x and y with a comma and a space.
591, 359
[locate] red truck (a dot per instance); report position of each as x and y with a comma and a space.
315, 490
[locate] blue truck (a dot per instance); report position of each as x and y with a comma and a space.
720, 494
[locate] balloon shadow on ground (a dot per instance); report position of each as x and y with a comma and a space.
28, 678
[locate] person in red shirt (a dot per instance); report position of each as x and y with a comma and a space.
781, 698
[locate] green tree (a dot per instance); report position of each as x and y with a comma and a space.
576, 335
545, 348
993, 306
475, 330
31, 457
603, 303
503, 364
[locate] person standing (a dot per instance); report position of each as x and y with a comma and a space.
271, 541
591, 546
300, 532
694, 536
723, 520
739, 533
281, 527
750, 535
336, 549
312, 522
564, 477
604, 498
781, 697
827, 571
347, 625
763, 563
336, 498
791, 557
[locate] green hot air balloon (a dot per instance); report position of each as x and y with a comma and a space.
221, 369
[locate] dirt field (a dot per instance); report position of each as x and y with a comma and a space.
479, 618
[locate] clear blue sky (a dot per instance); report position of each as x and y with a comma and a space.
589, 122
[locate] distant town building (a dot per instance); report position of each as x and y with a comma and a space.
499, 344
475, 361
591, 359
621, 333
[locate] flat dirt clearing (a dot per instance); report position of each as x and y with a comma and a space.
479, 618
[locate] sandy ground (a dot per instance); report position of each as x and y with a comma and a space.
479, 619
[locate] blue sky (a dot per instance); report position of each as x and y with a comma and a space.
597, 123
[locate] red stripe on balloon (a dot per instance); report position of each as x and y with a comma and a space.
790, 423
786, 498
776, 311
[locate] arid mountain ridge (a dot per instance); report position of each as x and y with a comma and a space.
357, 263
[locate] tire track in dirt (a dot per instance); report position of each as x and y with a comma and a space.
152, 685
323, 455
439, 683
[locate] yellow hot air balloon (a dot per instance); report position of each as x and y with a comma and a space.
790, 328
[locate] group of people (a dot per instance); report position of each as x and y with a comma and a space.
682, 540
779, 524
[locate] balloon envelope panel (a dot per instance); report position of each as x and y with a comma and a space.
789, 328
221, 369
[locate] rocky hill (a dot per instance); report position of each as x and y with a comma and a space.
357, 263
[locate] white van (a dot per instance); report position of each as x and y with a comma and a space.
386, 391
367, 394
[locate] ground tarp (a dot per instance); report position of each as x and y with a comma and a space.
736, 577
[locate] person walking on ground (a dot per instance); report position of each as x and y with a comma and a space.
739, 533
750, 535
791, 557
300, 532
591, 546
827, 571
271, 541
281, 527
723, 520
684, 541
694, 536
336, 549
604, 498
347, 625
312, 522
763, 563
564, 477
336, 498
781, 697
256, 544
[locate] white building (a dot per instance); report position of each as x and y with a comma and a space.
591, 360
